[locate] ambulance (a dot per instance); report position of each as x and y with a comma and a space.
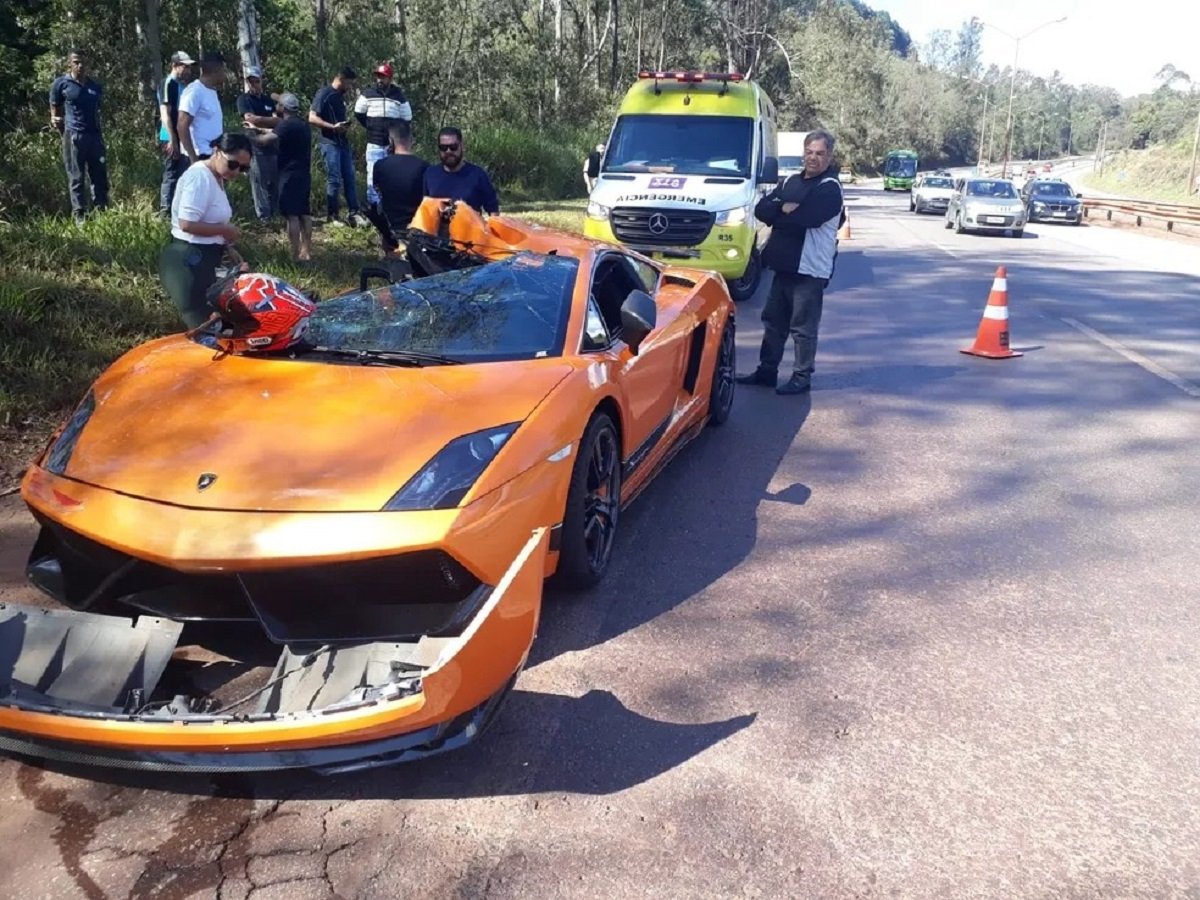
689, 156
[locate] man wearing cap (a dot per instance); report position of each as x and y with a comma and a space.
378, 107
174, 162
293, 141
258, 111
75, 114
200, 118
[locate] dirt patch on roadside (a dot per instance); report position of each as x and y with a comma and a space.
17, 532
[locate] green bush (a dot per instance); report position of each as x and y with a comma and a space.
529, 165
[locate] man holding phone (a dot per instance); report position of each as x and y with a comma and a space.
328, 113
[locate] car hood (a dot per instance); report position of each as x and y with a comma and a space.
991, 201
287, 435
1069, 199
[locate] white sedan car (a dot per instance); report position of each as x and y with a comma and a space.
931, 193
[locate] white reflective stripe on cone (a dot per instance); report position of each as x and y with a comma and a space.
1000, 284
995, 312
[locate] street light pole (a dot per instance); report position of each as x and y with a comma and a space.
983, 130
1191, 185
1012, 81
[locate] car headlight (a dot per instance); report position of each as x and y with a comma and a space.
446, 478
1038, 204
59, 452
598, 211
735, 216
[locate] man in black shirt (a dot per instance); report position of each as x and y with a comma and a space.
328, 113
399, 179
174, 162
294, 148
258, 111
75, 114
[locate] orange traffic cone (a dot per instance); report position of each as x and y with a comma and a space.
844, 232
992, 339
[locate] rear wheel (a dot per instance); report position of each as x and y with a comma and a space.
593, 507
742, 289
720, 399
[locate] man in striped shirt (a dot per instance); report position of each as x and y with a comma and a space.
377, 108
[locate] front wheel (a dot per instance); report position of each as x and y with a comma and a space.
593, 507
720, 399
743, 288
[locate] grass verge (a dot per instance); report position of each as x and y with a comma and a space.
1157, 173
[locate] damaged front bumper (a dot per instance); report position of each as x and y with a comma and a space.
100, 690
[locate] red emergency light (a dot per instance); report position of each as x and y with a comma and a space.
691, 77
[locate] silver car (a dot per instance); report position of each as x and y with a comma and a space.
985, 204
931, 193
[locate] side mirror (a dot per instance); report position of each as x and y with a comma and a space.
1078, 195
638, 317
770, 171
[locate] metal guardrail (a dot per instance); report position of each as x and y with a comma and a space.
1169, 213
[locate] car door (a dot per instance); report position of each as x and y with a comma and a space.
650, 381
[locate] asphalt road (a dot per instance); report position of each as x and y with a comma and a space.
929, 632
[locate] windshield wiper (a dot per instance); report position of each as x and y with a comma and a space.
389, 357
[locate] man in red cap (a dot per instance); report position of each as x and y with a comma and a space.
377, 108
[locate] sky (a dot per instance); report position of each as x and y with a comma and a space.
1121, 45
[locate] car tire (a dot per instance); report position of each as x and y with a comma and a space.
742, 289
720, 397
912, 205
584, 552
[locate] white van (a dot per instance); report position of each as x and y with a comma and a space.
689, 156
791, 152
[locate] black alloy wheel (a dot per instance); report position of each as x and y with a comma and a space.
720, 400
593, 507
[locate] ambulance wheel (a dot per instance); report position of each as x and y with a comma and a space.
742, 289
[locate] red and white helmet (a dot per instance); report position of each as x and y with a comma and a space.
260, 313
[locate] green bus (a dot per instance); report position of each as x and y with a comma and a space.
899, 170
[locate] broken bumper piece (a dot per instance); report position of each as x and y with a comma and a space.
102, 690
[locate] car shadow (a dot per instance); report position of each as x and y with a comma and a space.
540, 743
694, 524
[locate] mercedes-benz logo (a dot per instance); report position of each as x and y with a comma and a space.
659, 224
205, 481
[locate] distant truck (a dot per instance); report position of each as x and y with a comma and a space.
791, 152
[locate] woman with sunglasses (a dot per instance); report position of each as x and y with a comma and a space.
201, 231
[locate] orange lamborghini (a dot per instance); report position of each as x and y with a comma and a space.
332, 556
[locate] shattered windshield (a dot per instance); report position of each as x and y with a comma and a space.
516, 308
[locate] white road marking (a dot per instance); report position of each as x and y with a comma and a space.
1134, 357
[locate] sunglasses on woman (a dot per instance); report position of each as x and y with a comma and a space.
236, 166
